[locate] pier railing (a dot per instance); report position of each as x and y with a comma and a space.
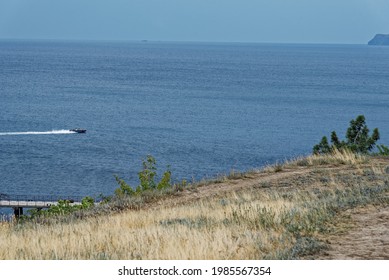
38, 201
43, 198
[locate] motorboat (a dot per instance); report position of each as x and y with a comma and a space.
78, 130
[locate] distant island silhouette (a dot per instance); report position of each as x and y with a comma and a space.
379, 40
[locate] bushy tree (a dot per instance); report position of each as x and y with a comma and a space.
357, 140
323, 147
124, 189
148, 173
147, 179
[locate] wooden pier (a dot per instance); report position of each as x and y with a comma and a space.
17, 202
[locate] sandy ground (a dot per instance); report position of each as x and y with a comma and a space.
368, 239
218, 189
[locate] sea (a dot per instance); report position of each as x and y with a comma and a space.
200, 109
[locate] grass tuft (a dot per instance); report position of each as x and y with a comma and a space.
336, 157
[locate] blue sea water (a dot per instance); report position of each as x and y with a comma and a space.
202, 108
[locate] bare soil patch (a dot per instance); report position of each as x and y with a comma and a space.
260, 180
368, 238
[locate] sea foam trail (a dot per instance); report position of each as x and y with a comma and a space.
62, 131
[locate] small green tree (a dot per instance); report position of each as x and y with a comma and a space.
87, 202
165, 181
335, 141
147, 179
323, 147
358, 139
148, 173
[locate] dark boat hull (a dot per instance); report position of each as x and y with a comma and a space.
78, 130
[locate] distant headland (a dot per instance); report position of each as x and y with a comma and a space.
379, 40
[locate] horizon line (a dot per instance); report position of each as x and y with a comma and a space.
171, 41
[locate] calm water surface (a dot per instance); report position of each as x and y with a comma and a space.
203, 109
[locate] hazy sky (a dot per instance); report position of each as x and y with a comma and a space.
289, 21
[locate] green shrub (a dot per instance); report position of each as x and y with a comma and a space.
323, 147
87, 202
124, 188
165, 181
147, 178
357, 140
147, 174
62, 207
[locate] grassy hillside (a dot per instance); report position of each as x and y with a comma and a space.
287, 211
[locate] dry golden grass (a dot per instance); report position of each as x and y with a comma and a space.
337, 157
196, 231
288, 217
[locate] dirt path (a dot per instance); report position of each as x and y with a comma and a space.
209, 190
259, 180
367, 240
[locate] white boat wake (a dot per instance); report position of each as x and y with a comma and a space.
62, 131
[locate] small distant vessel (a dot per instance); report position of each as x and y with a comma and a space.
78, 130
